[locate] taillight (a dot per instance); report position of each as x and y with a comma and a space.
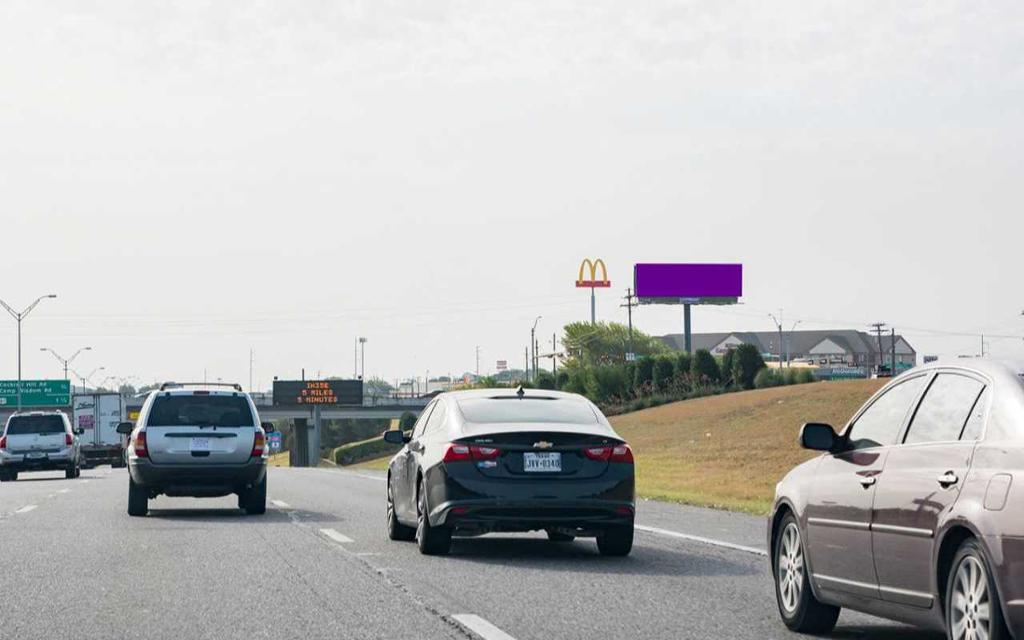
139, 444
621, 453
68, 440
258, 442
457, 453
3, 442
484, 453
598, 453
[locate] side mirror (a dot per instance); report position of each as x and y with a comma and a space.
79, 431
268, 427
125, 428
394, 436
818, 437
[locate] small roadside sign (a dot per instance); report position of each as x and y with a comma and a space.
630, 356
36, 393
275, 440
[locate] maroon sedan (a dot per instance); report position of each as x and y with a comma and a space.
915, 512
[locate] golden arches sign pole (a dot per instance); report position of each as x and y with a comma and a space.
593, 282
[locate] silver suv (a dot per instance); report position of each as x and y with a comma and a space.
197, 440
39, 441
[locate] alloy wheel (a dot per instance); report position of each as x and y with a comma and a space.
971, 614
790, 568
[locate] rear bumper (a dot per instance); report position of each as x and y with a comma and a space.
103, 455
50, 462
464, 498
197, 480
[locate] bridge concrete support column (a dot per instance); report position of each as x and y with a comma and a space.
314, 438
299, 454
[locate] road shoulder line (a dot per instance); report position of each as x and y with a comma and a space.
481, 627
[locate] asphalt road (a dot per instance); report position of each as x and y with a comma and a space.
318, 565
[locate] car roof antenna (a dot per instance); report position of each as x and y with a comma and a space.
520, 391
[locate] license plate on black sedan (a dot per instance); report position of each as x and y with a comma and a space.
542, 462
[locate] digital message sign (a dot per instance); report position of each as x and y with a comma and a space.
697, 283
318, 392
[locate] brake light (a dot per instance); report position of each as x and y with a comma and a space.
258, 443
139, 444
621, 453
68, 440
456, 453
598, 453
484, 453
3, 442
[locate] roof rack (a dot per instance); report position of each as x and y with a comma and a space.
180, 385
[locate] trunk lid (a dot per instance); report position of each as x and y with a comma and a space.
557, 451
36, 434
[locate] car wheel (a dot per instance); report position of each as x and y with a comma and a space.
138, 499
69, 473
616, 541
973, 611
433, 541
255, 498
558, 536
800, 610
397, 530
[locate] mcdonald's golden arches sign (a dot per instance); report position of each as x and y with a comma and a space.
590, 268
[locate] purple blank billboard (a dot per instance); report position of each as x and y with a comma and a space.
688, 280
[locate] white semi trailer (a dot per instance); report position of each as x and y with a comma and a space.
98, 414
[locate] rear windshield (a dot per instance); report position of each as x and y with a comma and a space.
206, 411
35, 424
490, 410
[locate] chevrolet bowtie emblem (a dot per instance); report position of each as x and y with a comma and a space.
543, 445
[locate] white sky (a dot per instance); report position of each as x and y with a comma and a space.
197, 178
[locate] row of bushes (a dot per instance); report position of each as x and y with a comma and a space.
780, 377
356, 452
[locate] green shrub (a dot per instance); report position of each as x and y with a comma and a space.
766, 378
728, 363
364, 450
747, 363
407, 421
606, 383
664, 372
705, 367
545, 380
561, 379
805, 375
576, 381
644, 376
684, 364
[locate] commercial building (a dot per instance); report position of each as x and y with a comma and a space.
843, 347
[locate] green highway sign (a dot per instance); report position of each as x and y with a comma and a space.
36, 393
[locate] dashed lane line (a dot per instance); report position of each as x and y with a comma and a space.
716, 543
26, 508
280, 504
337, 536
481, 627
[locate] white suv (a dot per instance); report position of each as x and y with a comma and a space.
197, 440
39, 441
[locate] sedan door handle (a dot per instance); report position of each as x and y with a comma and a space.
868, 481
948, 479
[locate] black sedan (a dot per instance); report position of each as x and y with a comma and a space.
500, 460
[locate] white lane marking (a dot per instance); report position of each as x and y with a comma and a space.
26, 508
83, 481
336, 536
710, 541
481, 627
280, 504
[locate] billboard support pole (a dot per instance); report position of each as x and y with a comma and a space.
593, 306
687, 328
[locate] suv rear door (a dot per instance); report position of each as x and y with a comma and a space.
200, 427
43, 433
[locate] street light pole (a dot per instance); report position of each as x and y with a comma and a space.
66, 362
362, 359
19, 316
533, 345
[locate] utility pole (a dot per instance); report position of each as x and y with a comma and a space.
878, 326
533, 345
893, 347
19, 316
362, 358
554, 354
527, 356
778, 325
478, 361
629, 307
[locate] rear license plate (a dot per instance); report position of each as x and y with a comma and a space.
200, 444
542, 462
35, 455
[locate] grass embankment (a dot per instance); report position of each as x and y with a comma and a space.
279, 459
726, 451
729, 451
